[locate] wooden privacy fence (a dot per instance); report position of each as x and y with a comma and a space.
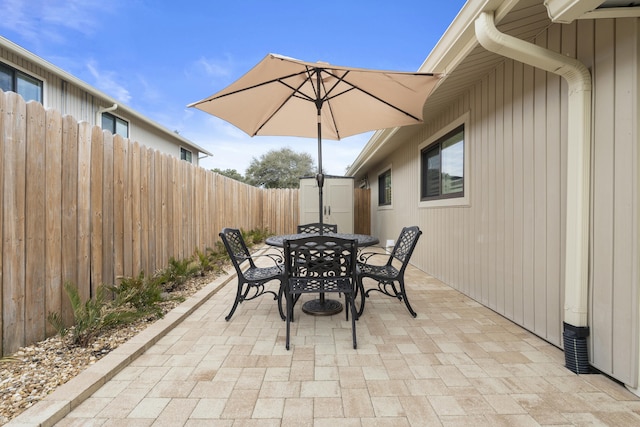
81, 205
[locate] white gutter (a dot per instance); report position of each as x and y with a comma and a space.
566, 11
578, 154
104, 110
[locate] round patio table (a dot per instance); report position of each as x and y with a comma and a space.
322, 306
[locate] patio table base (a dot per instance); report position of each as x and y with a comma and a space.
322, 307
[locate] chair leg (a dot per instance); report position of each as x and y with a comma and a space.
359, 291
352, 307
280, 309
289, 314
346, 305
406, 300
239, 298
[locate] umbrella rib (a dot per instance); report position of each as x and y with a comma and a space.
341, 79
276, 80
294, 94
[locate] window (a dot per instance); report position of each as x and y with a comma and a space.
442, 167
186, 155
384, 188
115, 125
21, 83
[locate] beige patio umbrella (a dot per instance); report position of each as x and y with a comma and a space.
282, 96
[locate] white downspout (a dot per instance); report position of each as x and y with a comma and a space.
578, 154
103, 110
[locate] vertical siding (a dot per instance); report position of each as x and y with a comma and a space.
615, 203
506, 249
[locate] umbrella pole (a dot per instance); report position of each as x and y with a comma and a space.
319, 175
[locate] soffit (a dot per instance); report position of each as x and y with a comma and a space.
525, 21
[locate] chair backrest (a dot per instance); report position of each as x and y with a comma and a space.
321, 257
405, 245
314, 228
236, 247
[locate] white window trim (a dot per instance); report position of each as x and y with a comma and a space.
380, 172
453, 201
29, 73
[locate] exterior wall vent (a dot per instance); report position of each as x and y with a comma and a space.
576, 356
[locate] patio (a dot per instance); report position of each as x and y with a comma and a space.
456, 364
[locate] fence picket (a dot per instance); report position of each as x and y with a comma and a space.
13, 255
83, 281
5, 129
119, 179
108, 254
134, 205
144, 210
35, 322
97, 208
53, 213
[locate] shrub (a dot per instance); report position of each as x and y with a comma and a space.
142, 294
92, 316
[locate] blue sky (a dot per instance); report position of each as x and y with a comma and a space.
157, 56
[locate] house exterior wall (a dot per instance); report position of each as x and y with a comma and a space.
61, 95
505, 247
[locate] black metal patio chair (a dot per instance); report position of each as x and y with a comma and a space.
314, 228
392, 271
252, 279
320, 264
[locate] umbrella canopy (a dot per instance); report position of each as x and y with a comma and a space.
282, 96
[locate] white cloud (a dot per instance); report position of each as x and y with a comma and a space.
49, 19
106, 82
215, 67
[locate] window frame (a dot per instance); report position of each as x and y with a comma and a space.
438, 137
184, 150
386, 205
115, 122
15, 73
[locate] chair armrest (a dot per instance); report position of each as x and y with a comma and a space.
364, 257
277, 259
389, 259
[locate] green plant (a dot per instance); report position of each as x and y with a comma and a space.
179, 271
220, 252
209, 260
205, 263
255, 236
141, 293
259, 235
247, 236
90, 317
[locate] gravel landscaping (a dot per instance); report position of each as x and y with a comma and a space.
35, 371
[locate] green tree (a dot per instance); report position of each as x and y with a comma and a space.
279, 169
230, 173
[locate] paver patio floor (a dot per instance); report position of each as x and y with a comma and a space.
457, 364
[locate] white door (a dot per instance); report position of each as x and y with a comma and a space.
309, 201
337, 198
338, 204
